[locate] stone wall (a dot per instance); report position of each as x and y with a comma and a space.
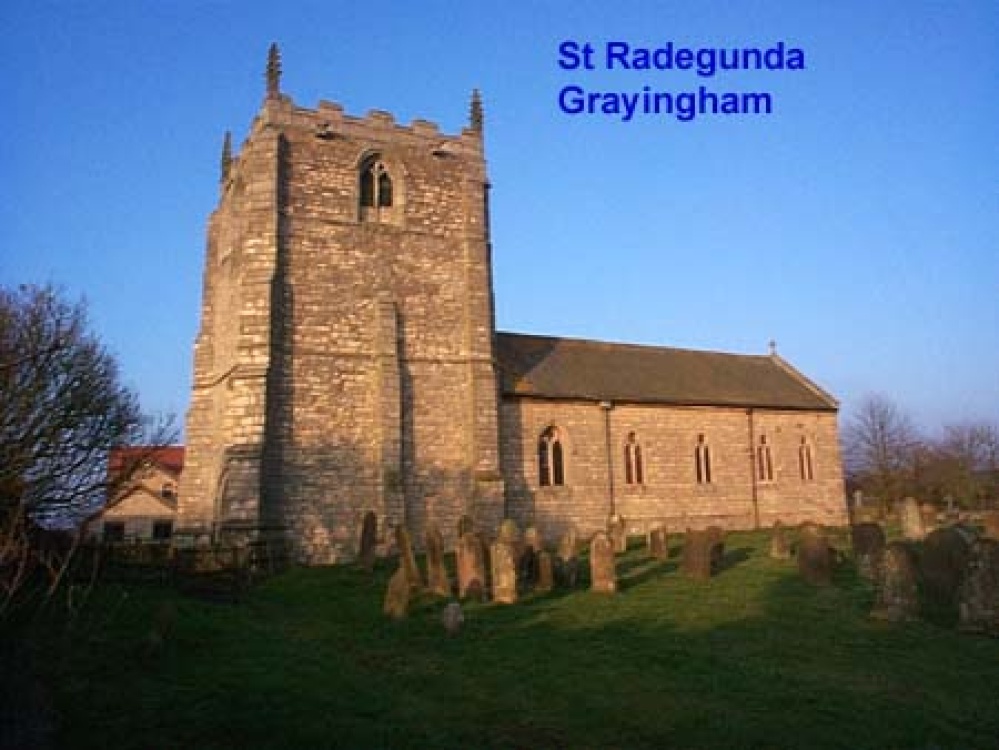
670, 493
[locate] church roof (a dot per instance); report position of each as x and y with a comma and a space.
551, 367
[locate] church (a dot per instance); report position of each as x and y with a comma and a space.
348, 362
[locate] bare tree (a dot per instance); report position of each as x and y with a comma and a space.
880, 444
62, 408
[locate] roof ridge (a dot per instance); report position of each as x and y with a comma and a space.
629, 345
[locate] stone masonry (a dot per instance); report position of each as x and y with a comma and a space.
347, 363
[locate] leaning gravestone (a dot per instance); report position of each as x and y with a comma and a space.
814, 555
407, 560
780, 545
369, 541
603, 573
396, 604
990, 521
504, 569
868, 540
897, 599
658, 543
618, 532
702, 552
471, 567
912, 520
437, 578
546, 580
943, 563
978, 598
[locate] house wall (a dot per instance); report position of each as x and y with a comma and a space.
670, 493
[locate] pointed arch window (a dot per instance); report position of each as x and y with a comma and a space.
702, 461
376, 184
805, 467
551, 458
764, 461
634, 471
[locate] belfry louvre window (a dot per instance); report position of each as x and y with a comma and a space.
702, 461
805, 467
634, 472
376, 185
551, 466
764, 461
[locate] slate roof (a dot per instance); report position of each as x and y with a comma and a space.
168, 457
551, 367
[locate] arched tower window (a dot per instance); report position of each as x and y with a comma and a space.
805, 468
634, 472
702, 461
764, 461
551, 460
376, 184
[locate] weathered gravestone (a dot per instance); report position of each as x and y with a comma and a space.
407, 560
546, 580
897, 599
603, 572
503, 557
452, 618
868, 541
567, 563
471, 567
780, 544
658, 543
815, 559
912, 520
928, 513
368, 542
509, 532
978, 598
527, 565
943, 563
396, 604
703, 551
618, 532
990, 522
465, 525
437, 578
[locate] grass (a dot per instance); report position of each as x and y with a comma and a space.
753, 658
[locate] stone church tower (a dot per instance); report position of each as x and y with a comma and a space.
344, 362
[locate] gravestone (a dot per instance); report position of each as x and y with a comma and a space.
703, 550
465, 525
546, 580
815, 562
396, 604
990, 522
780, 544
369, 541
868, 540
897, 598
943, 563
928, 513
471, 567
452, 618
978, 597
437, 578
603, 573
658, 543
527, 564
407, 560
504, 572
509, 532
568, 560
618, 533
912, 520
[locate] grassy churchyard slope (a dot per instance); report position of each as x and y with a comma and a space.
752, 658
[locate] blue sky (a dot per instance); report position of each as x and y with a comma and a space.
857, 225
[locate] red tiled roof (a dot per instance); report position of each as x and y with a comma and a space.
168, 457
